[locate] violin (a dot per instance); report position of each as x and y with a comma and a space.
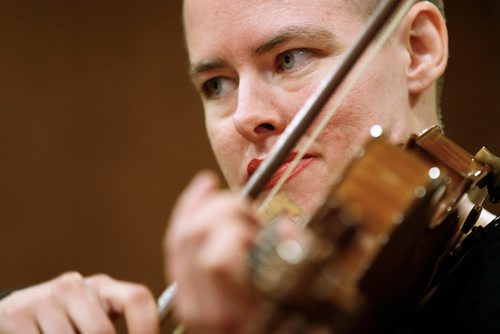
367, 261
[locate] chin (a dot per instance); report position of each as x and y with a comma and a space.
308, 196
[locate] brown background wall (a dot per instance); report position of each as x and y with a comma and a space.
100, 129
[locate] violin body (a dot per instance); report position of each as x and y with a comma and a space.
376, 241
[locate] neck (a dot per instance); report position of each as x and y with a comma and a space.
424, 110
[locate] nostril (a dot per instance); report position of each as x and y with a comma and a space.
264, 127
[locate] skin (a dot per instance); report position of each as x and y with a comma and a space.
255, 63
71, 303
250, 96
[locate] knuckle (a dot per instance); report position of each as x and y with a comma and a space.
216, 268
69, 281
14, 310
71, 276
138, 294
101, 278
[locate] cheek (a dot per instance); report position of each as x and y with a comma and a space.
375, 100
227, 148
349, 125
347, 131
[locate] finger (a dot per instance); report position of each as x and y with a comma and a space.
82, 305
226, 250
225, 257
195, 238
203, 183
191, 227
134, 302
189, 202
25, 327
16, 316
54, 319
219, 298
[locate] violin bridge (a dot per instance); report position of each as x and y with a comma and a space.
280, 206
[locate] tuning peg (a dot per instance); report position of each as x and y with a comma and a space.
493, 180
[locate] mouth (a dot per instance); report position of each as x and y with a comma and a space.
303, 163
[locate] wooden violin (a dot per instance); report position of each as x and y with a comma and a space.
376, 242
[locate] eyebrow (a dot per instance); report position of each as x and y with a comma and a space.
206, 65
320, 35
307, 32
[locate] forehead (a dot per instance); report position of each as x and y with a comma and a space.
270, 8
214, 25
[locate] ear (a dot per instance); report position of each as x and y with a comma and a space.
425, 37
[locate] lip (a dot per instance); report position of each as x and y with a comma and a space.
303, 163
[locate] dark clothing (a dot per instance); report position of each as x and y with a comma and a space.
4, 293
468, 301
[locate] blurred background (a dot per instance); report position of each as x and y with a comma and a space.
100, 129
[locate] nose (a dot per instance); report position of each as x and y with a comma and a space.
258, 115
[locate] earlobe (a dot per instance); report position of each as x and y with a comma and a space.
426, 39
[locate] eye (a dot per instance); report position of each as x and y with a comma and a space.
212, 87
216, 87
292, 60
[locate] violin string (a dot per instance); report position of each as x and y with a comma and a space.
351, 80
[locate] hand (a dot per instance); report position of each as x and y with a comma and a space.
71, 303
209, 237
